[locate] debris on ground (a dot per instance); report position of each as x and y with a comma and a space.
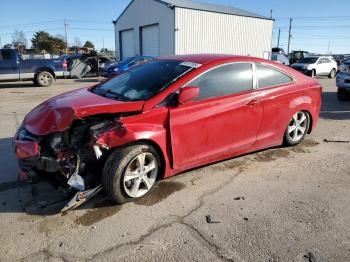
81, 197
310, 257
245, 218
335, 141
238, 198
209, 221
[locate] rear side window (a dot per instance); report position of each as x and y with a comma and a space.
5, 55
268, 76
224, 80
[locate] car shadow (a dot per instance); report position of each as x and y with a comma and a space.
334, 109
17, 85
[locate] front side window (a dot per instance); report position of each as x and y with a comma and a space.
143, 82
224, 80
268, 76
326, 61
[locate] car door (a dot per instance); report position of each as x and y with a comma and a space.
276, 95
8, 66
223, 119
327, 66
323, 66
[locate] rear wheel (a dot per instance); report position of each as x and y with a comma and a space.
343, 95
131, 172
44, 79
297, 128
332, 73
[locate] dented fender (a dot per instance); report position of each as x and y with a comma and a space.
129, 133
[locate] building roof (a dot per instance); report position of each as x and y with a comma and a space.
211, 8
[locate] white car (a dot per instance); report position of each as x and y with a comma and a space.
317, 66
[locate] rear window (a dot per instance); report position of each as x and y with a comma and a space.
268, 76
5, 55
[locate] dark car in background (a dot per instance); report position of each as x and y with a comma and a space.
343, 81
117, 68
296, 56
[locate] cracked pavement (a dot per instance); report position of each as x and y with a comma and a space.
279, 204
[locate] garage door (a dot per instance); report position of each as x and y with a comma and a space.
150, 40
127, 43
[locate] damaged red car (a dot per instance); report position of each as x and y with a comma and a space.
166, 116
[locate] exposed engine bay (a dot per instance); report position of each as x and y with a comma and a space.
71, 160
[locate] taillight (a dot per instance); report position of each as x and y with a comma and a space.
65, 66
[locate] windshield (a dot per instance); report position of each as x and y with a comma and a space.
143, 82
308, 60
274, 57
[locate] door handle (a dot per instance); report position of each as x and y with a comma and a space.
253, 102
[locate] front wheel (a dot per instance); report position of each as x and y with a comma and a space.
297, 128
332, 73
131, 172
44, 79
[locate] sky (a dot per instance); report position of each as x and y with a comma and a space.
318, 25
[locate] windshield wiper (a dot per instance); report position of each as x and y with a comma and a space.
115, 95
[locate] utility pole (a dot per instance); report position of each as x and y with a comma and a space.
271, 13
279, 35
329, 47
103, 42
290, 33
65, 35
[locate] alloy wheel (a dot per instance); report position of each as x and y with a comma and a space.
45, 79
140, 175
297, 126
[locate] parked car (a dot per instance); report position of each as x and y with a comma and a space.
169, 115
317, 66
343, 81
296, 56
278, 50
280, 58
41, 71
124, 65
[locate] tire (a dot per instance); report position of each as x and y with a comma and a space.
123, 179
313, 73
44, 79
342, 94
297, 128
332, 73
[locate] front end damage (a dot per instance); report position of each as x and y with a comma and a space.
71, 160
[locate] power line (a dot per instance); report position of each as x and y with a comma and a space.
90, 29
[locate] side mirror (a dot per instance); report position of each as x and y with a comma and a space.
188, 93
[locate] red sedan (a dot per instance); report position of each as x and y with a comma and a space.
166, 116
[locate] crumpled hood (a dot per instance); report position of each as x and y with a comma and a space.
57, 113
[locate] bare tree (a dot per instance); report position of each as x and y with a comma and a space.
77, 42
19, 40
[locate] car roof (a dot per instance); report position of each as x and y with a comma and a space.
199, 58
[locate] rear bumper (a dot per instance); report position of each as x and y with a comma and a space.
62, 73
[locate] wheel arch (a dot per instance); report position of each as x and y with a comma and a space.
130, 135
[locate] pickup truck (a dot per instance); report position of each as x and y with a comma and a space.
41, 71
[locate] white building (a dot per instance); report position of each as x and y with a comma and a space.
168, 27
